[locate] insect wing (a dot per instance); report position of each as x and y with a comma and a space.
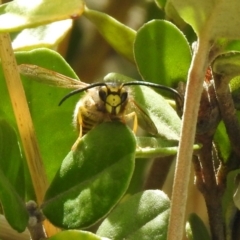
144, 120
49, 77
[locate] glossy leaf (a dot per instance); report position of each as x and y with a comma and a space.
21, 14
218, 19
161, 113
194, 13
196, 229
52, 123
144, 215
118, 35
162, 53
92, 179
156, 107
43, 36
76, 235
11, 174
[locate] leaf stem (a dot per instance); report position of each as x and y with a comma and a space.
182, 173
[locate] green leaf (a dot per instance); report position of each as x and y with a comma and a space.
11, 161
13, 206
76, 235
156, 108
227, 45
142, 216
227, 199
43, 36
11, 179
219, 19
92, 179
232, 45
194, 13
195, 228
21, 14
230, 200
161, 3
162, 53
222, 142
172, 14
227, 65
160, 112
118, 35
52, 123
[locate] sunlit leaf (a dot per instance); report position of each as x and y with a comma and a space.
162, 53
218, 19
92, 179
144, 215
194, 13
21, 14
43, 36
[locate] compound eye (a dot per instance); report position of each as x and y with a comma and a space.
124, 96
103, 93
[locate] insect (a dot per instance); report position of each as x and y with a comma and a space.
103, 101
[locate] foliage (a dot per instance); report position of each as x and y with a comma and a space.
102, 178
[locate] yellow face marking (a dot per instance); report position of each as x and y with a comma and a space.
113, 103
114, 98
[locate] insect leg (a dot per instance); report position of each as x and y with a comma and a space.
133, 116
80, 123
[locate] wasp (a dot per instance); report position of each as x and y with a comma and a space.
103, 101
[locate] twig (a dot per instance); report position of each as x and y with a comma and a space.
35, 226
